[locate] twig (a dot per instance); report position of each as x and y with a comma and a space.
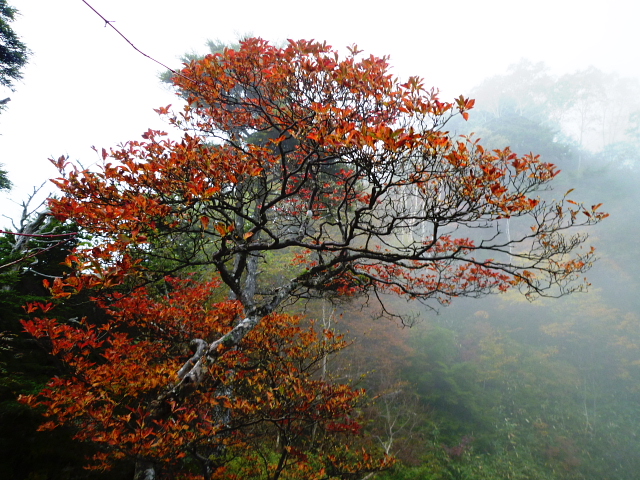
31, 255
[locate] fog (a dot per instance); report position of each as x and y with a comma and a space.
551, 384
546, 389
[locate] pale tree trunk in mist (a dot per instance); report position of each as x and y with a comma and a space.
144, 471
326, 324
26, 227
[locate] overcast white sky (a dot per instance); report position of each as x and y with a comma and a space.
86, 86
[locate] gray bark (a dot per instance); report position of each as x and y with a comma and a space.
144, 471
23, 236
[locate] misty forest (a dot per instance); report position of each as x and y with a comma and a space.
325, 272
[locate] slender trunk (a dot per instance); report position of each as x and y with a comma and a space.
281, 465
251, 281
326, 323
509, 239
587, 424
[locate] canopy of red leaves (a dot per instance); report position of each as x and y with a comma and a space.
296, 149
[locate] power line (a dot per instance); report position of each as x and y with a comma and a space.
110, 24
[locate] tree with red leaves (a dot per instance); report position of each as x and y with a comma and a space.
261, 410
331, 164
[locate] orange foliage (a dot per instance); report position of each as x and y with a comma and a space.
121, 390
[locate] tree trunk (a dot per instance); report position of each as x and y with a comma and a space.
145, 470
